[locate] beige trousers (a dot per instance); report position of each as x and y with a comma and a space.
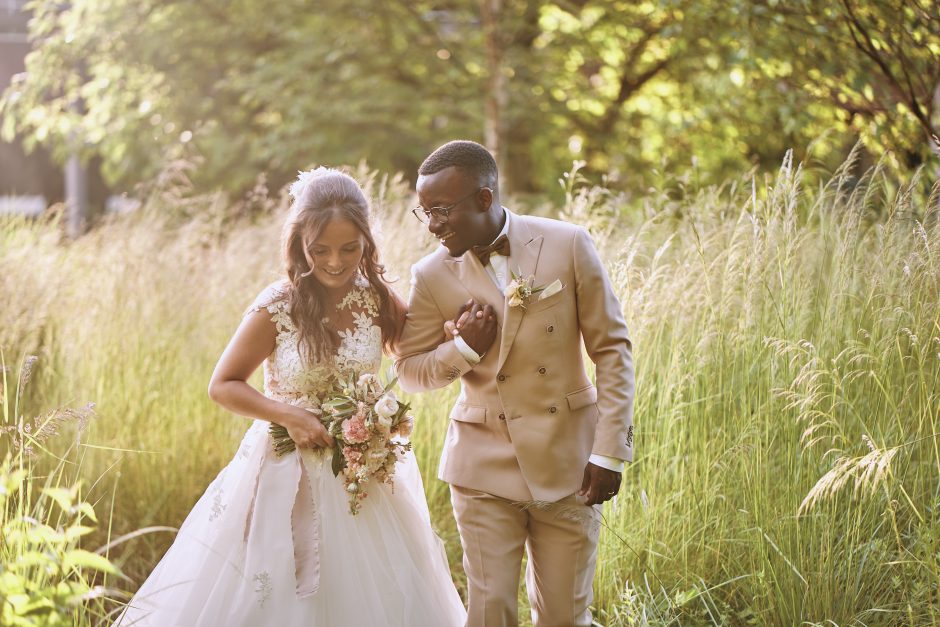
561, 539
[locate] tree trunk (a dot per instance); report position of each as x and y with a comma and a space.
76, 197
497, 90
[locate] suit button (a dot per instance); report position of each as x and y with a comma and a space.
552, 409
502, 416
542, 370
501, 377
550, 328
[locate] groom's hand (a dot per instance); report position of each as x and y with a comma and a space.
599, 484
476, 324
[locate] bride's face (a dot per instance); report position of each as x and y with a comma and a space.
336, 253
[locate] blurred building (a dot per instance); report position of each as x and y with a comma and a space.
21, 176
29, 183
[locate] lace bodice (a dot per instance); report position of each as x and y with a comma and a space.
288, 378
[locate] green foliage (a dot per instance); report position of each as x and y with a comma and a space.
46, 577
636, 90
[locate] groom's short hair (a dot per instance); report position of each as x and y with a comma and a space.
475, 160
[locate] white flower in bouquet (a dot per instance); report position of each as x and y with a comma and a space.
387, 406
368, 383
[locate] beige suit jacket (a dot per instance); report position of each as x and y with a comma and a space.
528, 417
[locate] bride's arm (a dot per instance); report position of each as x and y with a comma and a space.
253, 341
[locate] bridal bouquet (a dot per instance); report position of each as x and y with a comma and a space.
364, 418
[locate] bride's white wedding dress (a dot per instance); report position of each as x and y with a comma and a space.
272, 542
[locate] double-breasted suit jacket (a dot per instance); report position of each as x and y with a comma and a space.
528, 416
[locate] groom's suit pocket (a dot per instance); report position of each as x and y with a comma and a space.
468, 413
547, 303
582, 398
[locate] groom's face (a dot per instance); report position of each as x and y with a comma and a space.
466, 224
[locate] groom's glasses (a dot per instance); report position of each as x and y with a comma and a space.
441, 214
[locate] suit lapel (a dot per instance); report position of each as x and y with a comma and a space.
471, 274
523, 261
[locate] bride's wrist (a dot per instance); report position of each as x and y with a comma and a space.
285, 416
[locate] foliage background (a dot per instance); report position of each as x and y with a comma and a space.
638, 90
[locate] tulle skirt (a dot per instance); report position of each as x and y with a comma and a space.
272, 542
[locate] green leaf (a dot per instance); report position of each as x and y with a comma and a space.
77, 531
30, 559
339, 462
80, 558
87, 511
61, 496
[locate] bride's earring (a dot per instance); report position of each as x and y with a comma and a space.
307, 273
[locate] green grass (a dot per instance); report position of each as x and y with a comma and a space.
781, 329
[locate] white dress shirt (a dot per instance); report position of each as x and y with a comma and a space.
498, 270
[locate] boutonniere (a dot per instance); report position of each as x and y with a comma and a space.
520, 290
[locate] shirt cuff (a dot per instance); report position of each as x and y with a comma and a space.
610, 463
468, 353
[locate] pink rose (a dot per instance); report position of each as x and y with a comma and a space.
355, 430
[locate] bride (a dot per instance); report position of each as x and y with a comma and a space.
272, 540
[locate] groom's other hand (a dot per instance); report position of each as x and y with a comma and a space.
477, 327
599, 484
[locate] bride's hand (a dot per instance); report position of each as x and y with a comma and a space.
306, 430
452, 327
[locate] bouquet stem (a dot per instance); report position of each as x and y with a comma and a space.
281, 440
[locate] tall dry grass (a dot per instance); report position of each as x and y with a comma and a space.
788, 358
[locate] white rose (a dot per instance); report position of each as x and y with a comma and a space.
386, 407
511, 289
515, 300
367, 382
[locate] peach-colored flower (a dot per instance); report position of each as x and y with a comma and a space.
355, 431
351, 454
405, 426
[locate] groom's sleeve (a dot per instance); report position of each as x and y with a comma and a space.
425, 361
608, 345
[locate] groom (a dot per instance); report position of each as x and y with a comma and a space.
533, 448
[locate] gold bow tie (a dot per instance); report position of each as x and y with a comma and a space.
499, 247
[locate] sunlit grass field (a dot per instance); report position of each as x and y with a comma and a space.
787, 343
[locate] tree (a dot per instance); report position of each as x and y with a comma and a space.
634, 88
246, 87
876, 64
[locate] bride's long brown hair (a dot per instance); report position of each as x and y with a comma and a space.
320, 197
